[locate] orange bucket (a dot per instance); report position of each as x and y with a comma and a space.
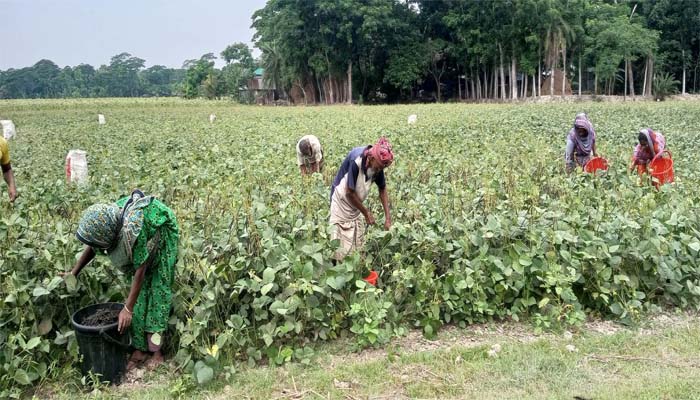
661, 169
596, 164
371, 278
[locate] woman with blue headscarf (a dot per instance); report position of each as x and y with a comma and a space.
580, 143
140, 236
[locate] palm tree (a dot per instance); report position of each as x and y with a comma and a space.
557, 35
274, 64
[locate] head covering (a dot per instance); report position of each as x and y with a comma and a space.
108, 227
582, 122
584, 145
99, 226
382, 152
655, 141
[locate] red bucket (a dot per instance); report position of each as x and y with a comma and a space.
661, 169
596, 164
371, 278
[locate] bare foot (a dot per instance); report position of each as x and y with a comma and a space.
155, 361
137, 357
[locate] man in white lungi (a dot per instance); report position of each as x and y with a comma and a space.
362, 167
309, 155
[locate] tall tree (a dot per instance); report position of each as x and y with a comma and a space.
239, 69
678, 22
273, 63
615, 39
46, 73
558, 34
196, 74
238, 53
122, 75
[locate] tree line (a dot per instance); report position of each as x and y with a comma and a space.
332, 51
336, 51
126, 76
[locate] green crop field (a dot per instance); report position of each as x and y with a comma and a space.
487, 225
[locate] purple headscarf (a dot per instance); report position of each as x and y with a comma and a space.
584, 146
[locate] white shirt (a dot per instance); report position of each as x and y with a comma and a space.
316, 155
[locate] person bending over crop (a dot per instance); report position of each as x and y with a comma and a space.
7, 169
309, 155
650, 144
580, 143
140, 236
362, 167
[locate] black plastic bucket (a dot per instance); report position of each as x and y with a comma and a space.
103, 349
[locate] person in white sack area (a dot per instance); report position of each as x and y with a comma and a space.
7, 169
309, 155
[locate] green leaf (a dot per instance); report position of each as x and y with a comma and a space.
318, 257
268, 275
543, 302
616, 309
695, 246
308, 271
32, 375
54, 283
308, 250
11, 298
32, 343
40, 291
21, 377
266, 289
336, 283
279, 307
71, 283
203, 373
156, 339
267, 339
428, 331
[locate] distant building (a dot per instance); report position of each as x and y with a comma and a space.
257, 83
260, 91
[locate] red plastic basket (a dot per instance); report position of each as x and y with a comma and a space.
661, 169
371, 278
596, 164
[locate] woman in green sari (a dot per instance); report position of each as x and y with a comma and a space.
140, 235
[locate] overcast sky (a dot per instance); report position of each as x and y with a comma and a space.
164, 32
